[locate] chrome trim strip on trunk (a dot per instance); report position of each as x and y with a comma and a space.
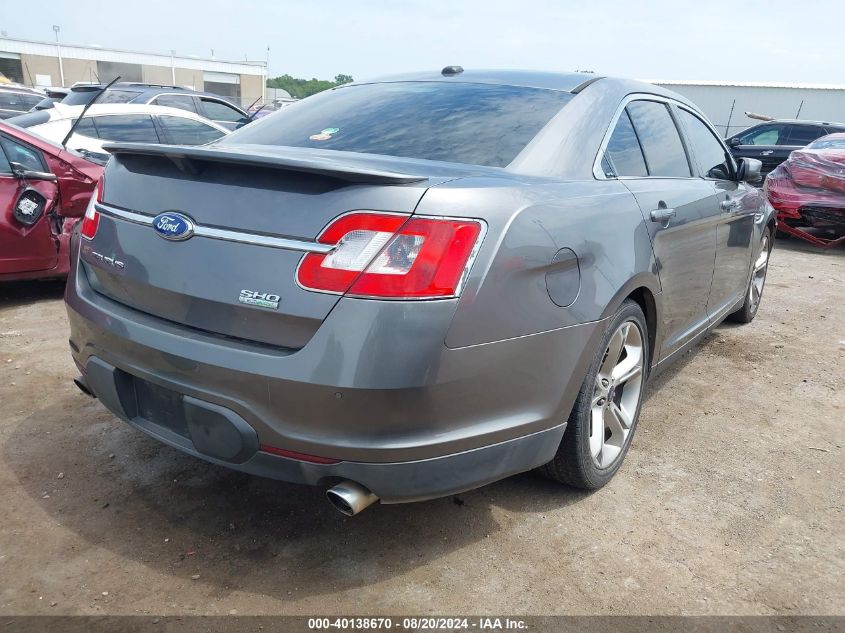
226, 235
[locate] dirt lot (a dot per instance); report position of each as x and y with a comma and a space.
730, 502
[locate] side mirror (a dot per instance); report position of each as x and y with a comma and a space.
734, 142
23, 173
749, 170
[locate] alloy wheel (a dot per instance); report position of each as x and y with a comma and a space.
758, 275
616, 395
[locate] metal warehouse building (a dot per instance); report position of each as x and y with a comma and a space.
50, 64
725, 103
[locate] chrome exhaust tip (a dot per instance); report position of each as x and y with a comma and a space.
83, 386
350, 498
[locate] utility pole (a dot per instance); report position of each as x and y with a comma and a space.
56, 29
172, 67
265, 78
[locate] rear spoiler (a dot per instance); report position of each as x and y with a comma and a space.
344, 166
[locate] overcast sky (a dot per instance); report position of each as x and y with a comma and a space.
748, 40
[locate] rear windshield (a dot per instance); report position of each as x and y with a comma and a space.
827, 143
476, 124
84, 96
29, 119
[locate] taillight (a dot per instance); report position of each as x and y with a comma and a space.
392, 256
91, 221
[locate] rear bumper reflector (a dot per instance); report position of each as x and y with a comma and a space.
303, 457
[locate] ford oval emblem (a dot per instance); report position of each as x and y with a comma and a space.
173, 226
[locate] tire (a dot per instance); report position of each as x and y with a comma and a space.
576, 463
756, 282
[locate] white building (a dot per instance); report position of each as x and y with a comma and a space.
51, 64
725, 103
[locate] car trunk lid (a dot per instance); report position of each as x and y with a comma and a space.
255, 196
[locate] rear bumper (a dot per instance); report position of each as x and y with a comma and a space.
214, 429
401, 413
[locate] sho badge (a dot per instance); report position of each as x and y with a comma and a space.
260, 299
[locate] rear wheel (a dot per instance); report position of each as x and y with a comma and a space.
754, 292
606, 411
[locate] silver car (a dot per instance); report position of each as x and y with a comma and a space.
409, 288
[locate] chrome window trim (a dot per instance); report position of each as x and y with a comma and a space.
225, 235
598, 172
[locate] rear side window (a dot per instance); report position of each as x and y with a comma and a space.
803, 134
217, 111
476, 124
133, 128
183, 102
708, 151
664, 152
180, 131
624, 151
86, 128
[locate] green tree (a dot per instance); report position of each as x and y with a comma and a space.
301, 88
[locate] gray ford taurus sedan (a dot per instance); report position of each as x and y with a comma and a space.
412, 287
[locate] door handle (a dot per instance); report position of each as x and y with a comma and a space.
662, 215
728, 205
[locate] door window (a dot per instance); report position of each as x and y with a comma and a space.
623, 150
708, 150
802, 135
133, 128
5, 167
664, 152
183, 102
182, 131
763, 135
219, 111
27, 156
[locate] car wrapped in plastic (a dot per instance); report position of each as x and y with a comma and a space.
808, 192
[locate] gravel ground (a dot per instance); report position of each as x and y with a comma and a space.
730, 501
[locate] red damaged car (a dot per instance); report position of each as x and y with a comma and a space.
44, 190
808, 191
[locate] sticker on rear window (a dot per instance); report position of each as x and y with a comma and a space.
325, 134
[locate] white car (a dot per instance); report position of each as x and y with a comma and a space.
137, 123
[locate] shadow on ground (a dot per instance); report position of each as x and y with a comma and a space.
240, 532
797, 245
177, 515
13, 294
